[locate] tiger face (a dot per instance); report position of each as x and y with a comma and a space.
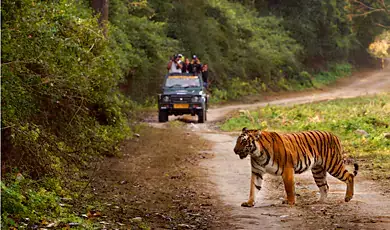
246, 143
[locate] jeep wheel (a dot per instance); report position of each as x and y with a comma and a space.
162, 116
201, 116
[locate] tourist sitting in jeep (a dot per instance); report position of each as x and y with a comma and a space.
182, 94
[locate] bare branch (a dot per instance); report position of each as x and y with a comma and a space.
78, 109
386, 27
364, 5
381, 6
367, 13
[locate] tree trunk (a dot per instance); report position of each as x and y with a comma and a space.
101, 7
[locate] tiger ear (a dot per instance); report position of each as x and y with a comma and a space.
258, 134
244, 129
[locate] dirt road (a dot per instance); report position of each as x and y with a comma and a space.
369, 209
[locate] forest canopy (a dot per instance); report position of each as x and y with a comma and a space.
263, 40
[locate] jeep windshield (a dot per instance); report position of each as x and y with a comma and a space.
182, 81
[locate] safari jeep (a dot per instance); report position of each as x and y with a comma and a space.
182, 94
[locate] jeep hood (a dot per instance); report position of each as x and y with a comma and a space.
182, 91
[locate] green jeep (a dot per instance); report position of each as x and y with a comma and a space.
182, 94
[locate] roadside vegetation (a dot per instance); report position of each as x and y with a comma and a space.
239, 89
61, 106
361, 123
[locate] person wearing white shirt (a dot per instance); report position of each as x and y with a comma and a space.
175, 65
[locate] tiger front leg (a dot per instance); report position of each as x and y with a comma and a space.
255, 187
289, 185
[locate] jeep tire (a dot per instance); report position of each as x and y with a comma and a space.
201, 116
162, 116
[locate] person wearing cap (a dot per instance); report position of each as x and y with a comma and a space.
196, 67
181, 58
174, 65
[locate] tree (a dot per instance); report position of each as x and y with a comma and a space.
380, 47
364, 8
101, 7
377, 13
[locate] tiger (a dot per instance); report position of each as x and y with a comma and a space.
293, 153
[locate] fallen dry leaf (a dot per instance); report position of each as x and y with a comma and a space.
92, 214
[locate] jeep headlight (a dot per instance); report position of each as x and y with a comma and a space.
195, 99
165, 99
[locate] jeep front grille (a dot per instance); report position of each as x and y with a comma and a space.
181, 98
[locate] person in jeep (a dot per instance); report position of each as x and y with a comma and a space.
196, 67
175, 65
186, 66
205, 75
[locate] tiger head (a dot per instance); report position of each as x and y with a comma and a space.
246, 142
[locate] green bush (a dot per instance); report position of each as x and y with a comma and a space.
334, 72
60, 99
25, 201
61, 106
237, 88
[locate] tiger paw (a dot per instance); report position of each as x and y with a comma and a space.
348, 198
248, 204
288, 202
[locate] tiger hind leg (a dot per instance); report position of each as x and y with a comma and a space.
319, 175
341, 173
